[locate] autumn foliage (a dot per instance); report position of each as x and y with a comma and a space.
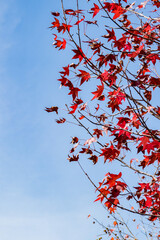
113, 82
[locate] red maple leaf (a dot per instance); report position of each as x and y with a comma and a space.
55, 23
95, 10
99, 91
85, 76
66, 71
61, 120
110, 35
52, 109
118, 11
79, 21
98, 132
74, 107
56, 14
73, 158
78, 54
74, 92
109, 153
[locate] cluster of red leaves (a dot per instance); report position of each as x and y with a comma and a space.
125, 94
110, 188
148, 195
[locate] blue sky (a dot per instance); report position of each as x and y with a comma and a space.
42, 195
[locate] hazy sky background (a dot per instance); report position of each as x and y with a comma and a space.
42, 195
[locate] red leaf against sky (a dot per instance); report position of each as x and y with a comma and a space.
72, 12
78, 54
94, 159
95, 10
92, 22
74, 92
109, 153
98, 132
116, 98
56, 14
74, 140
74, 107
79, 21
61, 120
99, 91
55, 23
66, 71
110, 35
73, 158
52, 109
59, 44
85, 76
135, 54
118, 12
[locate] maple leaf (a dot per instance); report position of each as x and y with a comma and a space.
153, 58
95, 10
144, 142
70, 12
121, 43
56, 14
59, 44
63, 45
135, 54
118, 11
73, 158
107, 5
92, 22
63, 81
74, 92
109, 153
86, 150
66, 71
98, 132
78, 101
52, 109
99, 91
85, 76
74, 107
79, 21
116, 98
110, 35
61, 120
78, 54
55, 23
94, 159
74, 140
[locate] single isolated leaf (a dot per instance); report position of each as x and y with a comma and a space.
52, 109
73, 158
95, 10
61, 120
